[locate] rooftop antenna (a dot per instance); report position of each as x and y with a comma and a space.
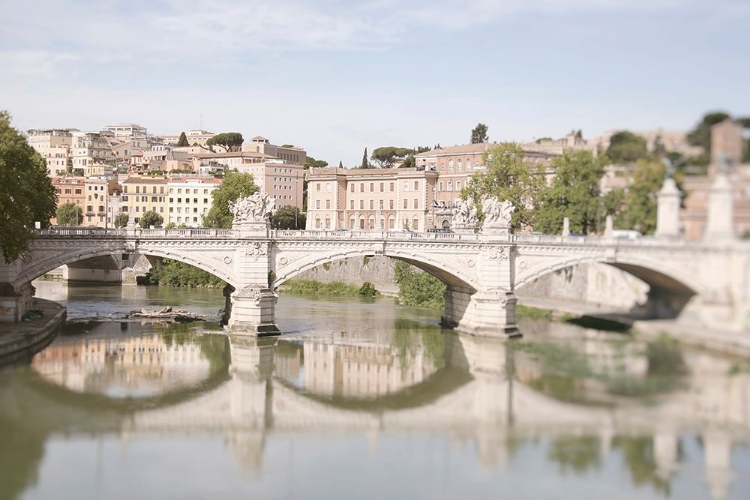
201, 127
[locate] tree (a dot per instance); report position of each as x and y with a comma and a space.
234, 186
311, 162
574, 193
508, 177
122, 219
27, 195
151, 218
388, 156
479, 134
341, 164
627, 147
365, 161
410, 161
701, 134
69, 214
232, 141
183, 141
288, 217
639, 210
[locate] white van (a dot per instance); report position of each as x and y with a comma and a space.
626, 234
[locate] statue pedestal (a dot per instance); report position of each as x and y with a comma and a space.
251, 311
496, 229
252, 228
464, 228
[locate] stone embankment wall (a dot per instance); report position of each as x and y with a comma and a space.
592, 283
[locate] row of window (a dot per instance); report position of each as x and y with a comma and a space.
381, 204
449, 186
326, 224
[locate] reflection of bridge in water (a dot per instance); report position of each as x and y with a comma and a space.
463, 387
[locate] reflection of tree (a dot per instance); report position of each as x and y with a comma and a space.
21, 452
576, 454
408, 336
640, 460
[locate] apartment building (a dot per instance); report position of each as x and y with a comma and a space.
194, 138
98, 190
89, 149
54, 145
144, 194
70, 190
287, 153
190, 198
369, 199
124, 132
457, 164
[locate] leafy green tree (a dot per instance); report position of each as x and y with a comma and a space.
122, 220
151, 218
312, 162
479, 134
182, 142
410, 161
232, 141
387, 156
341, 164
234, 186
69, 214
701, 134
288, 217
27, 195
507, 177
574, 193
639, 210
417, 288
627, 147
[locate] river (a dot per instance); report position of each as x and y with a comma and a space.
363, 399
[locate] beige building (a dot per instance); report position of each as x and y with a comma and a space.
287, 153
194, 138
455, 165
726, 139
90, 149
98, 191
367, 199
190, 198
54, 145
125, 132
142, 194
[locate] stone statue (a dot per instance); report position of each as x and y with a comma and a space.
669, 168
497, 213
465, 214
254, 208
723, 163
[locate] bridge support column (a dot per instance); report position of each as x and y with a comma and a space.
487, 312
250, 311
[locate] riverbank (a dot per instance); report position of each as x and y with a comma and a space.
20, 341
729, 342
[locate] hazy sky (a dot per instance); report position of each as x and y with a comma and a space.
338, 76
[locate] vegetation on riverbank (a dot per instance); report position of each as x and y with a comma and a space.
332, 289
418, 288
168, 272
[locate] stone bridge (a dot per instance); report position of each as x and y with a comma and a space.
699, 282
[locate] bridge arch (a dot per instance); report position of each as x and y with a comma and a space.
451, 273
39, 267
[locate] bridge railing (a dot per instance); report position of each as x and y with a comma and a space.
369, 235
187, 233
81, 232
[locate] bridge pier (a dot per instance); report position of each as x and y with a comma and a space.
250, 311
488, 313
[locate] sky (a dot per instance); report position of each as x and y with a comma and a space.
336, 76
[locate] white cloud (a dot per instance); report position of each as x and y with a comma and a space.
37, 63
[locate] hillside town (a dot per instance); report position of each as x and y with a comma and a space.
122, 169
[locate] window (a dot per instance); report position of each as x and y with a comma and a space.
317, 204
406, 185
390, 204
440, 186
392, 187
372, 204
406, 203
380, 204
372, 187
450, 185
317, 186
415, 224
458, 185
352, 187
361, 187
416, 203
361, 204
450, 165
328, 204
458, 166
328, 187
416, 185
351, 205
382, 186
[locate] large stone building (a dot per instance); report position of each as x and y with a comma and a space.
190, 198
54, 145
287, 152
70, 190
727, 145
144, 194
366, 199
125, 132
